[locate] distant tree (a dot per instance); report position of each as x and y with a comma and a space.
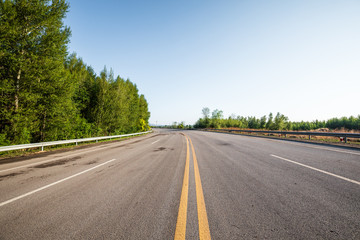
280, 121
242, 122
289, 126
270, 123
253, 123
216, 117
217, 114
144, 114
231, 121
206, 112
201, 123
263, 122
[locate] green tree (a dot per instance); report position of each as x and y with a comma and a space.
206, 112
263, 122
46, 94
253, 123
144, 114
216, 117
270, 123
181, 125
280, 121
35, 92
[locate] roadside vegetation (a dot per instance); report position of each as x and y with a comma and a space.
277, 122
47, 94
175, 125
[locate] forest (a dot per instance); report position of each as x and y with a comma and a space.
271, 122
47, 94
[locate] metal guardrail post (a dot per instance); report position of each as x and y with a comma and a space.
343, 136
43, 144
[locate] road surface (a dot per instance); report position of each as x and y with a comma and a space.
184, 184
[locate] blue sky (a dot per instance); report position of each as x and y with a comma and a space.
248, 58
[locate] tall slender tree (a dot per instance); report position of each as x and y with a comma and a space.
34, 87
46, 94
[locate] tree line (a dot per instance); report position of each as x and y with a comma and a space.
271, 122
47, 94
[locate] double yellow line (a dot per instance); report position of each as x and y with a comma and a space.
204, 231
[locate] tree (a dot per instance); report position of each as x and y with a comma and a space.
181, 125
216, 117
263, 122
206, 112
35, 92
253, 123
270, 123
217, 114
280, 121
47, 95
144, 114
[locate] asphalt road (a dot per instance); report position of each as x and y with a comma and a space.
177, 184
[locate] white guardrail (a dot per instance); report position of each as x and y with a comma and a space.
76, 141
342, 136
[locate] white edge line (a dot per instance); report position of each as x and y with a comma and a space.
155, 142
305, 144
316, 169
45, 161
52, 184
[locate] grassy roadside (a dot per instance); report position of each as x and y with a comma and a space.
56, 148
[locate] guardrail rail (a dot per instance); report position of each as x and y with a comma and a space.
344, 136
76, 141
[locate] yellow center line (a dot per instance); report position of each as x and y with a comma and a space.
180, 231
204, 231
